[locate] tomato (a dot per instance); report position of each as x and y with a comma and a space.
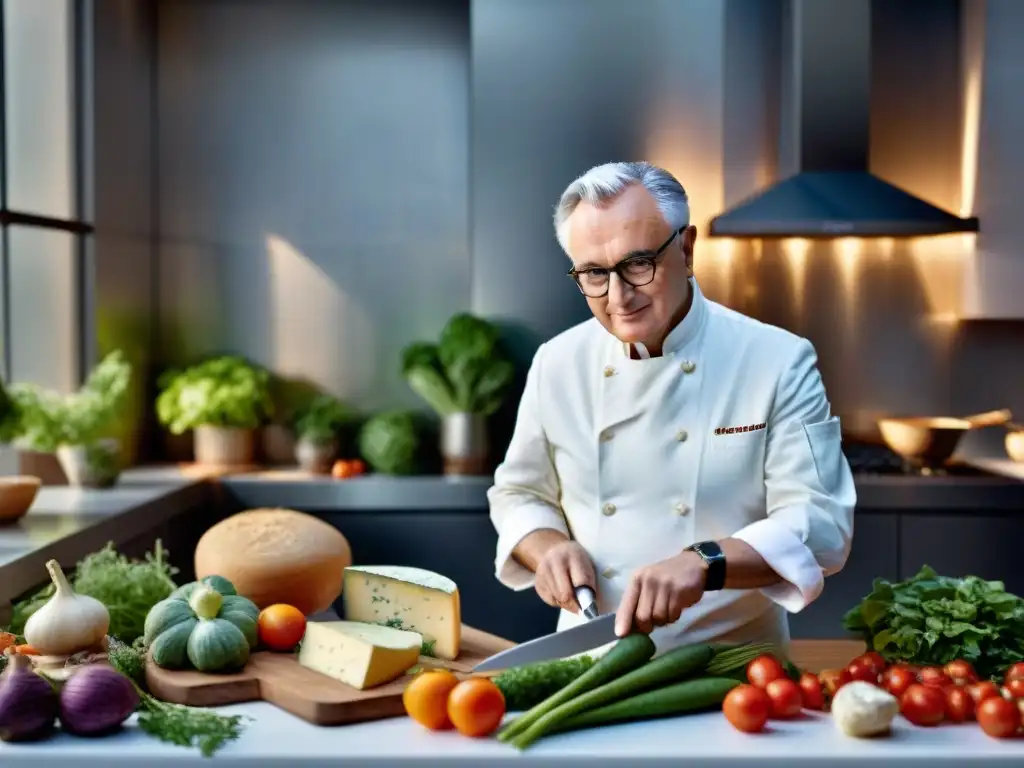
358, 466
281, 626
1017, 670
998, 717
476, 707
959, 704
983, 690
834, 679
923, 705
747, 708
786, 697
876, 660
961, 672
863, 669
763, 670
810, 691
897, 679
1014, 687
343, 469
426, 698
934, 676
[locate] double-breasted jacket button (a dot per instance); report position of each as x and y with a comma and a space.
607, 435
609, 573
608, 509
681, 435
688, 366
681, 509
609, 371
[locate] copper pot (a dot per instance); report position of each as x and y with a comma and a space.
929, 441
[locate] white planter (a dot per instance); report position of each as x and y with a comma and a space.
96, 465
464, 444
223, 446
315, 457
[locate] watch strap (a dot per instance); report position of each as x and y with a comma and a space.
713, 556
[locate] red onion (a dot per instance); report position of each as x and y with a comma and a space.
96, 700
28, 704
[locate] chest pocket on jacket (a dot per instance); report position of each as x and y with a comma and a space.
741, 442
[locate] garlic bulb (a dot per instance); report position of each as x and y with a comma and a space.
69, 622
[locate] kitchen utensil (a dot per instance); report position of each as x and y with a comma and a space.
278, 679
595, 632
16, 495
929, 441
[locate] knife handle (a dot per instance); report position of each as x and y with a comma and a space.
587, 599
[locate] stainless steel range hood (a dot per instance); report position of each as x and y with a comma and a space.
828, 74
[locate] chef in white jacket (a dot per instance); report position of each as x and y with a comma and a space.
677, 456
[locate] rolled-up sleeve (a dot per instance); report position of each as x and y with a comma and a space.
809, 488
525, 494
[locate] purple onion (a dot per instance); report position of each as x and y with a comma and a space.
96, 700
28, 704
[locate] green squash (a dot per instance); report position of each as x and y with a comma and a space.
202, 627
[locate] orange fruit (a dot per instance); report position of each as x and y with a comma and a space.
426, 698
281, 626
476, 707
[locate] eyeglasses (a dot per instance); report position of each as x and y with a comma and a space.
635, 270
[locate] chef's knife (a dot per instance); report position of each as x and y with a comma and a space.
597, 631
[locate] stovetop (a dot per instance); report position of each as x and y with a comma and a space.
874, 459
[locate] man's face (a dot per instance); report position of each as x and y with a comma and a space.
632, 224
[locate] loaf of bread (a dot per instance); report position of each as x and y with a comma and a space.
277, 556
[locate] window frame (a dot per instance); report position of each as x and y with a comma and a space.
80, 226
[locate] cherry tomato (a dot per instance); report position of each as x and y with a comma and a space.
934, 676
983, 690
281, 626
747, 708
897, 679
875, 659
786, 697
476, 707
1017, 670
961, 672
863, 669
343, 469
834, 679
810, 691
923, 705
763, 670
998, 717
959, 704
1014, 687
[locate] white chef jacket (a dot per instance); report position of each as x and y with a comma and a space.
728, 434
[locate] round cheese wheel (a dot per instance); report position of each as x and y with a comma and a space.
277, 556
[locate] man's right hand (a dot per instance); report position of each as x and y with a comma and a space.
561, 569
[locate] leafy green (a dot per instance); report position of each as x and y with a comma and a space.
42, 420
391, 442
320, 419
465, 371
225, 391
128, 588
931, 620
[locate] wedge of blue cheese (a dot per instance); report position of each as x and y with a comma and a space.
406, 598
359, 654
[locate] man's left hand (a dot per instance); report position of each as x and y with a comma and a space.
657, 594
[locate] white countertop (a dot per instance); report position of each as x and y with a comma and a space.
275, 738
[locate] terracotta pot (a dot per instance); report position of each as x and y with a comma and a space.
97, 465
316, 457
223, 446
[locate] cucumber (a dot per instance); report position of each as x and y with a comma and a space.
678, 699
627, 654
669, 668
528, 685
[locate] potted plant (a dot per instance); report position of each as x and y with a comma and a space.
464, 378
79, 427
316, 425
223, 401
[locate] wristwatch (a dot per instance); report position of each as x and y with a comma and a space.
714, 557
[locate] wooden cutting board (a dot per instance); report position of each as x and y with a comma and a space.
278, 679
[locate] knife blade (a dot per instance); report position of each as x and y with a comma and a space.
596, 631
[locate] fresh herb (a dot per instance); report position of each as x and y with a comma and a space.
225, 391
527, 686
931, 620
427, 649
173, 723
128, 588
320, 420
395, 622
465, 371
391, 442
43, 420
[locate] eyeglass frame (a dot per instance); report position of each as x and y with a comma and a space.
618, 267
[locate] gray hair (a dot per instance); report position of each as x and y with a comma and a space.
608, 181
